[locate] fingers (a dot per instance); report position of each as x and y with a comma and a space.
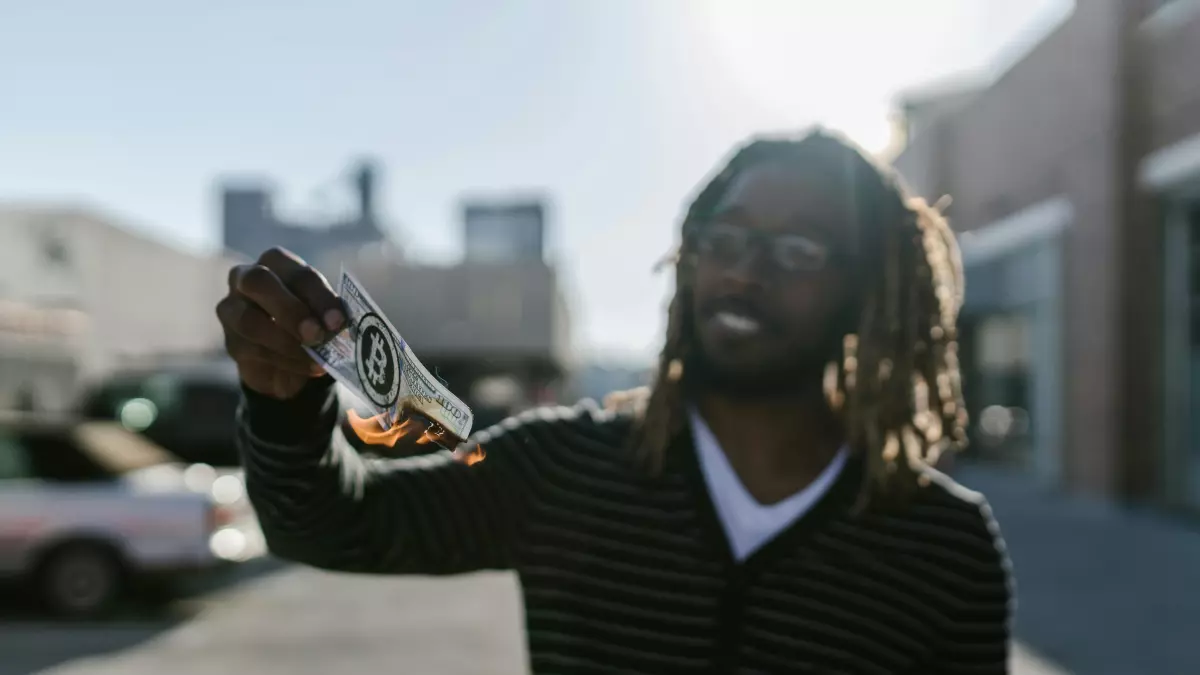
273, 308
308, 285
244, 351
262, 287
244, 319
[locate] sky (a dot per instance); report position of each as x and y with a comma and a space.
615, 109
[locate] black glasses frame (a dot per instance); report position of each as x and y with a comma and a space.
787, 252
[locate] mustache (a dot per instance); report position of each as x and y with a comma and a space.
741, 305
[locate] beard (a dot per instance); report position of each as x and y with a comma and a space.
798, 377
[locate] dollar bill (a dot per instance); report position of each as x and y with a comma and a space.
371, 359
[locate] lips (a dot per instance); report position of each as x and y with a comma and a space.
737, 323
737, 317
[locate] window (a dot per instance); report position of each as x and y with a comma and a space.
105, 401
1194, 266
1004, 342
54, 249
164, 390
999, 385
14, 459
55, 456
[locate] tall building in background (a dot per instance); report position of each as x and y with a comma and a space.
495, 325
1076, 185
250, 224
504, 231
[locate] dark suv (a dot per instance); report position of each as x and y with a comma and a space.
189, 411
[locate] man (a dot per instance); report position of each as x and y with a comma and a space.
769, 507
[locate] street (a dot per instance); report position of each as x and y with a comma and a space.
297, 621
1101, 590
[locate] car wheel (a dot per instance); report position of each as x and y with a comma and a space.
80, 580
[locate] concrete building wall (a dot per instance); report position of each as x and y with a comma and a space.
489, 310
146, 297
139, 297
38, 348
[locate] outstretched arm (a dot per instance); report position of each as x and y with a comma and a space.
319, 502
322, 504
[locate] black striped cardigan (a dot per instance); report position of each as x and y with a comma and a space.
631, 573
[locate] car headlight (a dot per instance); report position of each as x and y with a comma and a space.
228, 544
228, 490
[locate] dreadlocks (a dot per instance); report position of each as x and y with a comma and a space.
897, 385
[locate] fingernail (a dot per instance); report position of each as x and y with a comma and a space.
310, 332
334, 319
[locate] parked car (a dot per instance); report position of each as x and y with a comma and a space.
88, 508
190, 411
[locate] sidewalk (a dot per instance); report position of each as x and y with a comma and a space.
1101, 590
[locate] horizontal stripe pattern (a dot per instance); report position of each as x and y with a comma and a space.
624, 572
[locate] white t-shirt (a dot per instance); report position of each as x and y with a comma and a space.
749, 524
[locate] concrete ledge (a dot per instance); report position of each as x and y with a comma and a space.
1169, 17
1041, 221
1172, 166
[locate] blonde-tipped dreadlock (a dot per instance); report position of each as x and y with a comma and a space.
897, 386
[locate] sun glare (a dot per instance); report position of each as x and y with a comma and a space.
795, 62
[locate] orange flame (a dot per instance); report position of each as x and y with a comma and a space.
470, 456
370, 430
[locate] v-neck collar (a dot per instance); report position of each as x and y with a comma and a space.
837, 501
748, 523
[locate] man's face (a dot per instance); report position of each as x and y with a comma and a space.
772, 297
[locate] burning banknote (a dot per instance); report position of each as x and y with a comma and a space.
371, 359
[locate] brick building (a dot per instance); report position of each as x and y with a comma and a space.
1076, 185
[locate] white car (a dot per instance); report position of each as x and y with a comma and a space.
87, 508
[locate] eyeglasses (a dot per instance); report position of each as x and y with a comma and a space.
729, 245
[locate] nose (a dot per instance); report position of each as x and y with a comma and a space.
749, 270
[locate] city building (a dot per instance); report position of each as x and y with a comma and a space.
496, 325
1075, 179
503, 231
82, 296
251, 225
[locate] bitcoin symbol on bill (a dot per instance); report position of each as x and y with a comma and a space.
378, 360
377, 363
